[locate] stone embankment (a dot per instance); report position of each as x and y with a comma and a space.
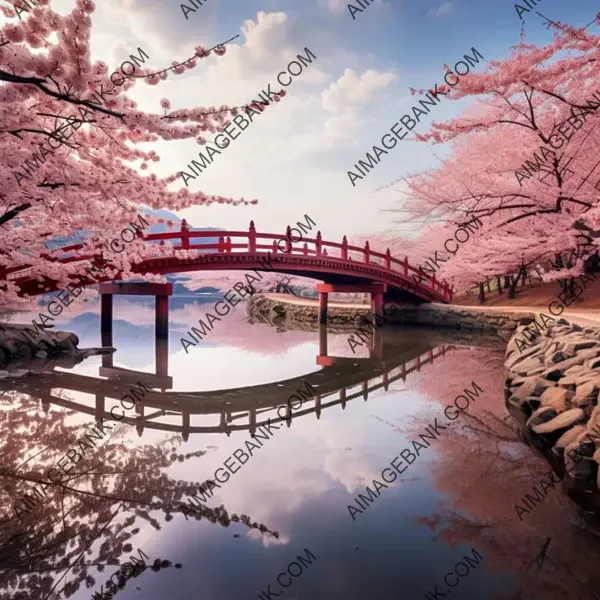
555, 383
19, 349
277, 311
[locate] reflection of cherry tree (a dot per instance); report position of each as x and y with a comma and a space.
485, 470
95, 509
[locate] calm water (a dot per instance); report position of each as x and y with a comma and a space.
458, 495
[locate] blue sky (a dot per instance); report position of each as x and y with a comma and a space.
295, 157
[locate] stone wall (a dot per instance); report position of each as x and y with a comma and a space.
555, 384
457, 317
277, 311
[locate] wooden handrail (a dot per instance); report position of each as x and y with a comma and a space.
250, 242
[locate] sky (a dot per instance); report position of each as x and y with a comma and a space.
295, 157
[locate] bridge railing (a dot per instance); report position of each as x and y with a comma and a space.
252, 242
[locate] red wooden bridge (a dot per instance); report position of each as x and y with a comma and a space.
331, 262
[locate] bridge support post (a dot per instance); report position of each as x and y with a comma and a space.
377, 304
100, 408
106, 313
252, 421
162, 317
185, 426
376, 350
322, 358
323, 307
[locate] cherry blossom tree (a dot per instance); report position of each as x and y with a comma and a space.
517, 163
81, 133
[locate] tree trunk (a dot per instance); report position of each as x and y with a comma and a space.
524, 278
481, 293
559, 262
499, 281
488, 286
506, 281
512, 290
592, 263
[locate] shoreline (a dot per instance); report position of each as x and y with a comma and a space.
295, 311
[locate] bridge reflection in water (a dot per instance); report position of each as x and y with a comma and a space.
234, 409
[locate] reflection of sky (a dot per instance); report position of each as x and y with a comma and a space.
299, 483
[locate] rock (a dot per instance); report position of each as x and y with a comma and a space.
8, 347
569, 362
509, 363
557, 371
583, 402
67, 335
581, 469
569, 436
532, 386
590, 376
541, 415
586, 393
574, 370
569, 382
560, 357
68, 346
3, 374
556, 398
530, 405
594, 420
19, 373
563, 421
589, 354
526, 366
574, 347
527, 406
41, 354
585, 443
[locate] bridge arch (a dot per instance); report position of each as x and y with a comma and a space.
329, 262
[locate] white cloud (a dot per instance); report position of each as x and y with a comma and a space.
443, 9
339, 6
309, 139
336, 6
353, 90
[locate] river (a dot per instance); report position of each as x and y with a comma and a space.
455, 500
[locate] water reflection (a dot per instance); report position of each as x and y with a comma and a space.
128, 493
